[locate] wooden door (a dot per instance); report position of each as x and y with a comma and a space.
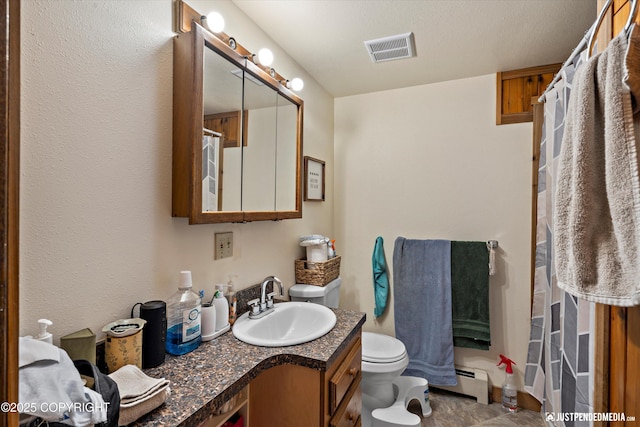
620, 330
9, 195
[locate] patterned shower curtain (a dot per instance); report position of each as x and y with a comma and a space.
559, 371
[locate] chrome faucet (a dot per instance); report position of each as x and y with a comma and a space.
264, 306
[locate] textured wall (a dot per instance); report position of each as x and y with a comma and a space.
428, 162
97, 234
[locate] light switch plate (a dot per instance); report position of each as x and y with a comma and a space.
224, 245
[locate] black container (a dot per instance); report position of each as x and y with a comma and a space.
154, 333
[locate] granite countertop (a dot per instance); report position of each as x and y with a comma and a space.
203, 380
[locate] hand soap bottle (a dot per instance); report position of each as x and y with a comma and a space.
233, 301
222, 308
44, 335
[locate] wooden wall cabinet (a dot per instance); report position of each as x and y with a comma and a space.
514, 90
229, 124
293, 396
218, 89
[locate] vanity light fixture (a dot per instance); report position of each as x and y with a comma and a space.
264, 57
296, 84
213, 21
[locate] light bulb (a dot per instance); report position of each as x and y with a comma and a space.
265, 57
297, 84
215, 22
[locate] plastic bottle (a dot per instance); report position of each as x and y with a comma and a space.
222, 308
44, 335
183, 318
233, 301
332, 249
509, 390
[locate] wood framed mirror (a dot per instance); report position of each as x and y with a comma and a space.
237, 136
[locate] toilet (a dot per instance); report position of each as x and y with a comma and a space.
385, 394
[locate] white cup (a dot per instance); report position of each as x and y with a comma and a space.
208, 319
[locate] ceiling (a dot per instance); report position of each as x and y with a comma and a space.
454, 39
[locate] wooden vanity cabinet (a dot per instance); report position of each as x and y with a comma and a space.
294, 396
240, 406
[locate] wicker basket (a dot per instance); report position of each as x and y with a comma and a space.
317, 273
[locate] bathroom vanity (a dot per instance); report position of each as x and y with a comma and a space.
311, 384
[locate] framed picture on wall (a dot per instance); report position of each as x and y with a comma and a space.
313, 179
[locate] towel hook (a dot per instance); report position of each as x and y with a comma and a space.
632, 15
592, 38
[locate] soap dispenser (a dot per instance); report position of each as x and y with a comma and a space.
222, 308
44, 335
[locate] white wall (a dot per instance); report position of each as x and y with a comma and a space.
429, 162
96, 229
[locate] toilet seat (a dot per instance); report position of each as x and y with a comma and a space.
379, 348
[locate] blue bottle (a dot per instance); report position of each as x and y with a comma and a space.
183, 318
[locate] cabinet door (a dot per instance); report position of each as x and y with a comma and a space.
259, 155
286, 396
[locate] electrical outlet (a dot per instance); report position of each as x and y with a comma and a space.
224, 245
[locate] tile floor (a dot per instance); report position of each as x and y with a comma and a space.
454, 410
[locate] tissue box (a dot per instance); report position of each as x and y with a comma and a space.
80, 345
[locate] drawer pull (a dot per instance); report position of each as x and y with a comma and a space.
353, 372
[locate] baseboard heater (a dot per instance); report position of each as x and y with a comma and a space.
471, 382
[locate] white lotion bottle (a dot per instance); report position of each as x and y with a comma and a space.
44, 335
222, 308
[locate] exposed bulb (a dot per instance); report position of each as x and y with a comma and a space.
265, 57
215, 22
297, 84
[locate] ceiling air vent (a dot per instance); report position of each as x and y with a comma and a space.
390, 48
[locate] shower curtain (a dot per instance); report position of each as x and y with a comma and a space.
210, 165
559, 370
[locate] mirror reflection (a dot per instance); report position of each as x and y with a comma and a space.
222, 134
286, 154
259, 154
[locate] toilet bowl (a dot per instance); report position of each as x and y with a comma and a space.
384, 358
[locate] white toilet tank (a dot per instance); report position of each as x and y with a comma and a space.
328, 295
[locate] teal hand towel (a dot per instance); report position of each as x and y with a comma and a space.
470, 295
380, 278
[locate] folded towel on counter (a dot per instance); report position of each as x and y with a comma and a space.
139, 393
422, 307
597, 209
129, 414
380, 278
470, 295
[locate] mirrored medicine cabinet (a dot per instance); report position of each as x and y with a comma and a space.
237, 136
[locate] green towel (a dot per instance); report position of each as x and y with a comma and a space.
470, 295
380, 279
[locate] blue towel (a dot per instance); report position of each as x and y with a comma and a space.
380, 279
422, 306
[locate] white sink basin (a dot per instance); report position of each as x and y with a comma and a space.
289, 324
